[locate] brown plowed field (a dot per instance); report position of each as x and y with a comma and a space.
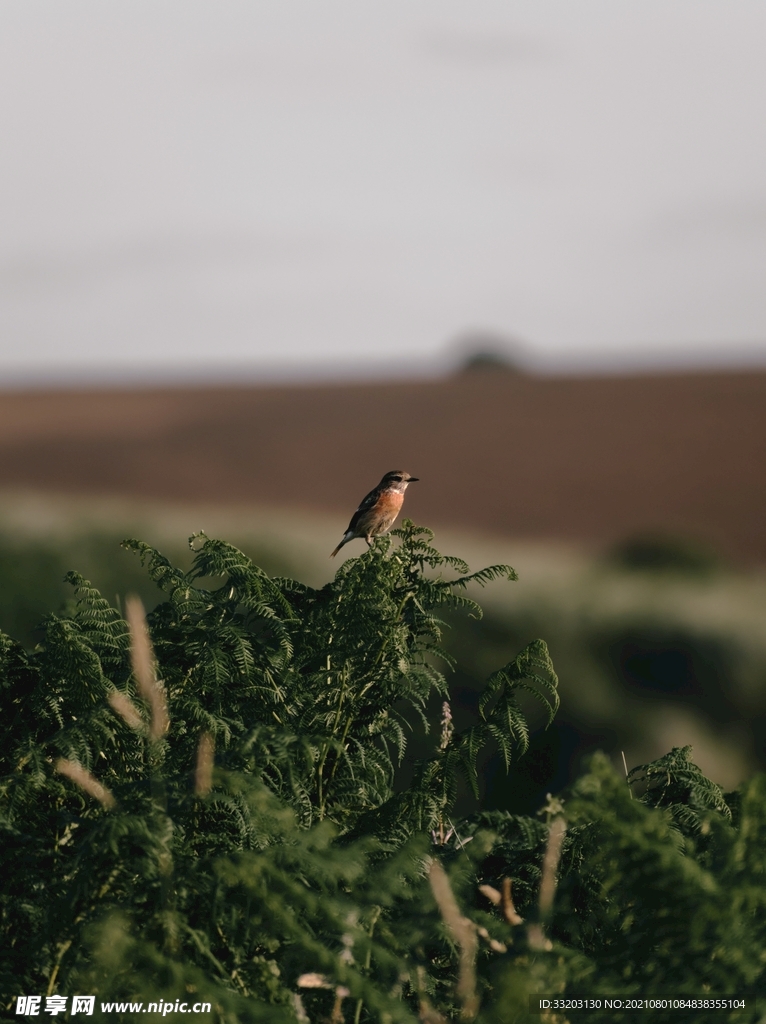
581, 459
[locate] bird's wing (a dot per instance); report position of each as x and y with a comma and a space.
368, 502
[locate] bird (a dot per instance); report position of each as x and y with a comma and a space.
379, 509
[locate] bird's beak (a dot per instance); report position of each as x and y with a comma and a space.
413, 479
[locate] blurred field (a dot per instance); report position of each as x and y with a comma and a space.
632, 508
648, 658
583, 460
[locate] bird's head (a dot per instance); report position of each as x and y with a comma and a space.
397, 480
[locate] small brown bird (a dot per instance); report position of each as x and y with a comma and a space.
379, 509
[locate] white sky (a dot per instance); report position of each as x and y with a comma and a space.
243, 188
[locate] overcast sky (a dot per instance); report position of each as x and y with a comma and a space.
251, 188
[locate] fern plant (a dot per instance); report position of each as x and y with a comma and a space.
303, 698
205, 806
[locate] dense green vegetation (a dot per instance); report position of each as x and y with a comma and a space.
210, 803
651, 654
654, 645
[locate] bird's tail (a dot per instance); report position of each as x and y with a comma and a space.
347, 537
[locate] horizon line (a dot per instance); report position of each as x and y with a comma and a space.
459, 359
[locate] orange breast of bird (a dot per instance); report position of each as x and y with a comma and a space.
390, 502
380, 517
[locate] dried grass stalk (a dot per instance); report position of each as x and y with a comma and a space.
127, 710
427, 1014
536, 938
463, 932
503, 900
299, 1009
203, 776
313, 980
88, 783
550, 865
509, 909
536, 931
142, 660
491, 893
495, 944
337, 1010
